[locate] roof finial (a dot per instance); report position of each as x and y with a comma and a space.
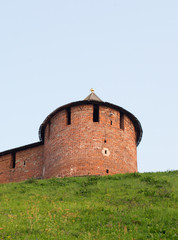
92, 96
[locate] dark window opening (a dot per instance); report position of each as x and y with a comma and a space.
68, 116
111, 122
24, 163
107, 171
105, 141
13, 160
121, 121
49, 129
95, 113
105, 151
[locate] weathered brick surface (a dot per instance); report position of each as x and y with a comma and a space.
28, 165
82, 148
77, 149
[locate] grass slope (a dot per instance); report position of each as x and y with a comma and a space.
128, 206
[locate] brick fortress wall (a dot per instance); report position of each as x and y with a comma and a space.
76, 144
21, 165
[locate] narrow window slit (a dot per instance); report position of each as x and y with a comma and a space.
105, 151
105, 141
13, 160
95, 113
111, 122
49, 129
121, 121
107, 171
68, 116
24, 163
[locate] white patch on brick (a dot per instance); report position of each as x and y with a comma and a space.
72, 170
105, 152
97, 145
43, 171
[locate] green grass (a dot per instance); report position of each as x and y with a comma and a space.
128, 206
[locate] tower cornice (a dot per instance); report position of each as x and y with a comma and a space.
135, 121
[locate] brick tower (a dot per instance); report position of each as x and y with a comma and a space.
88, 137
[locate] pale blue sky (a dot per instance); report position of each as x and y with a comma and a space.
53, 52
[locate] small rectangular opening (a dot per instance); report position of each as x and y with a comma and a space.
95, 113
13, 160
49, 129
68, 116
111, 122
121, 121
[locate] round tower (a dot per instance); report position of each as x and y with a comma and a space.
90, 137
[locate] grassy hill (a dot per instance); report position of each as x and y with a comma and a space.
129, 206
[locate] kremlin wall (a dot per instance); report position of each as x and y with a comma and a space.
88, 137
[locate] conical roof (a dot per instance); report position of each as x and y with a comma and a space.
92, 97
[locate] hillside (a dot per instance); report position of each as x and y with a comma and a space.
128, 206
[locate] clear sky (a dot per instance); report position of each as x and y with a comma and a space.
53, 52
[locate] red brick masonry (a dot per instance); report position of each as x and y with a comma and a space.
83, 147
